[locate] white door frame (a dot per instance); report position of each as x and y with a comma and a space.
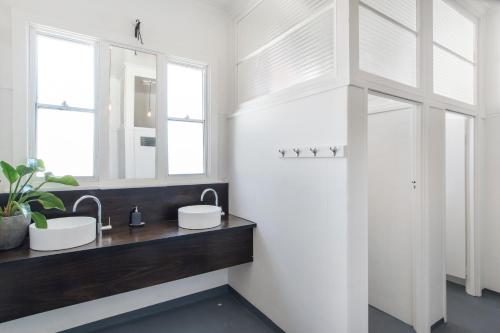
472, 278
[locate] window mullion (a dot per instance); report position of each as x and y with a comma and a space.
161, 120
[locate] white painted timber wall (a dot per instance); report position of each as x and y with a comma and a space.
299, 274
178, 27
306, 276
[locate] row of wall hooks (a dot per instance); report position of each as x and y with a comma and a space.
314, 152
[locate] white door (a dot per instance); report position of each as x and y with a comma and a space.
456, 199
391, 165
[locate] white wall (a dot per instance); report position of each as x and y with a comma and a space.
5, 84
490, 224
301, 277
455, 195
299, 274
188, 29
176, 27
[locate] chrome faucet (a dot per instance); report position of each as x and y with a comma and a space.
216, 197
100, 228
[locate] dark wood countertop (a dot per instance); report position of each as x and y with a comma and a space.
122, 235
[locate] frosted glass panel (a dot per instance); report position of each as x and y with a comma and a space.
185, 92
403, 11
386, 49
303, 55
271, 18
185, 148
65, 141
65, 72
453, 77
453, 30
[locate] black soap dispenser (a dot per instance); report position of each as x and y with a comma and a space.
136, 218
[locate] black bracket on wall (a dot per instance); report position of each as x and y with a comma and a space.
137, 30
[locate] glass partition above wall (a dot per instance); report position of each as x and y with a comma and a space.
132, 114
454, 53
388, 38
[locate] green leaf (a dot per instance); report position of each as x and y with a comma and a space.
31, 195
50, 201
39, 219
9, 172
23, 208
65, 180
26, 189
36, 164
24, 170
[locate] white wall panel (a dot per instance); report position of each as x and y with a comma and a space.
271, 18
305, 54
285, 280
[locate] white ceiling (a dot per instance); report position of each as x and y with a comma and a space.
231, 6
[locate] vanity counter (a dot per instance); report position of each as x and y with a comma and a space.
123, 235
122, 260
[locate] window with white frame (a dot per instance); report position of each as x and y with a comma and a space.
186, 104
64, 89
65, 104
388, 37
454, 53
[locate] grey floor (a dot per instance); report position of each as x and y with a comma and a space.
466, 314
222, 314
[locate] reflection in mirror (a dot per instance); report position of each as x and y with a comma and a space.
132, 114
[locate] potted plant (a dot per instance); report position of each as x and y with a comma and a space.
16, 215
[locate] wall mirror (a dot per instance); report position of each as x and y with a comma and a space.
132, 114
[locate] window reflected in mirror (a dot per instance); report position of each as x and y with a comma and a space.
132, 114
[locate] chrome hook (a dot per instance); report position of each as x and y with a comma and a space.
314, 151
282, 152
334, 150
296, 151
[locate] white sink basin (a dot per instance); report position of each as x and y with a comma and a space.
199, 217
63, 233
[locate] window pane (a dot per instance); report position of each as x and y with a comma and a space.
386, 49
403, 11
453, 30
453, 77
65, 141
65, 72
185, 148
185, 92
